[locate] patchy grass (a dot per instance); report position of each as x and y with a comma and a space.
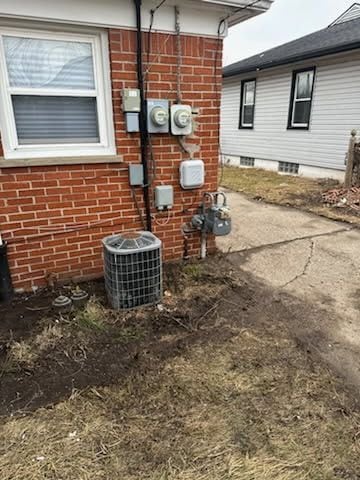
24, 353
285, 190
193, 271
231, 398
232, 411
92, 316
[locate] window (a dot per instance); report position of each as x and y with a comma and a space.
288, 167
247, 161
301, 98
55, 94
247, 107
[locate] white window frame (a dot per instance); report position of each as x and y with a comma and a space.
244, 104
296, 100
102, 91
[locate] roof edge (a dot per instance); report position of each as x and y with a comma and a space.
299, 58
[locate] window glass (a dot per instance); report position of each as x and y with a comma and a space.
248, 114
42, 63
48, 120
300, 107
247, 104
249, 93
302, 112
304, 84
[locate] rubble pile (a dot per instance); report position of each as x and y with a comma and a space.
343, 197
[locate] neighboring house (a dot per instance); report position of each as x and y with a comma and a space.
64, 181
292, 108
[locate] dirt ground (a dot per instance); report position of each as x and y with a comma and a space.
288, 190
217, 383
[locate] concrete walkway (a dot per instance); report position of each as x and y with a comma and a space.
307, 258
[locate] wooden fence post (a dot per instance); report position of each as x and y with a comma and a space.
350, 160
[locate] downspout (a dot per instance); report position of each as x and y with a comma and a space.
6, 289
142, 117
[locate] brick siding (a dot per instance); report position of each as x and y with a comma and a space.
36, 200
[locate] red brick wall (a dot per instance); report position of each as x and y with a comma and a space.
35, 201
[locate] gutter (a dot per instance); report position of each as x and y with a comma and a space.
299, 58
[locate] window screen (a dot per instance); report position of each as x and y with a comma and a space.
247, 109
301, 99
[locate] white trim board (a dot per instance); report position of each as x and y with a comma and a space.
195, 20
106, 146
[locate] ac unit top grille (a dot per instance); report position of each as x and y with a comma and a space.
131, 242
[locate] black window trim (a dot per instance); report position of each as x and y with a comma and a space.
295, 73
243, 82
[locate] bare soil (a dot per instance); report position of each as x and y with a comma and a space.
288, 190
213, 385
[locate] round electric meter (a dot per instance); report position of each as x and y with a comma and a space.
182, 118
159, 116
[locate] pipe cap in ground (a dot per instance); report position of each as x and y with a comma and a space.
62, 304
79, 298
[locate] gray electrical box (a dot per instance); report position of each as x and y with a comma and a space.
132, 122
131, 100
164, 197
136, 175
158, 116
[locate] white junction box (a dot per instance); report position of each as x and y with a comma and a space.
164, 197
192, 174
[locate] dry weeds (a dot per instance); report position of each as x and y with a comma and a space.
25, 353
300, 192
252, 407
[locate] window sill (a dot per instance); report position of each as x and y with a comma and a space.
291, 127
36, 162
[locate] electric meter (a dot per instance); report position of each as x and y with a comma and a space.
158, 116
181, 120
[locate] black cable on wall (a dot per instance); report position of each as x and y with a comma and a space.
142, 117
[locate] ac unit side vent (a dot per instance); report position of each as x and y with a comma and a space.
288, 167
132, 269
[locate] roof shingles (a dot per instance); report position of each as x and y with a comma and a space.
333, 39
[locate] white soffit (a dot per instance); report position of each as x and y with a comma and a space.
198, 17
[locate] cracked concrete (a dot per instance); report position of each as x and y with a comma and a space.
308, 258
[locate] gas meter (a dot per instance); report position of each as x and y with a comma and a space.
158, 116
214, 215
181, 120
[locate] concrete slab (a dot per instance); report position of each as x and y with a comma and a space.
257, 223
304, 257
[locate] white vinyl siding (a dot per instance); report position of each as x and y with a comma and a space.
335, 112
55, 94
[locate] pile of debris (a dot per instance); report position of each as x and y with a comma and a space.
343, 197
